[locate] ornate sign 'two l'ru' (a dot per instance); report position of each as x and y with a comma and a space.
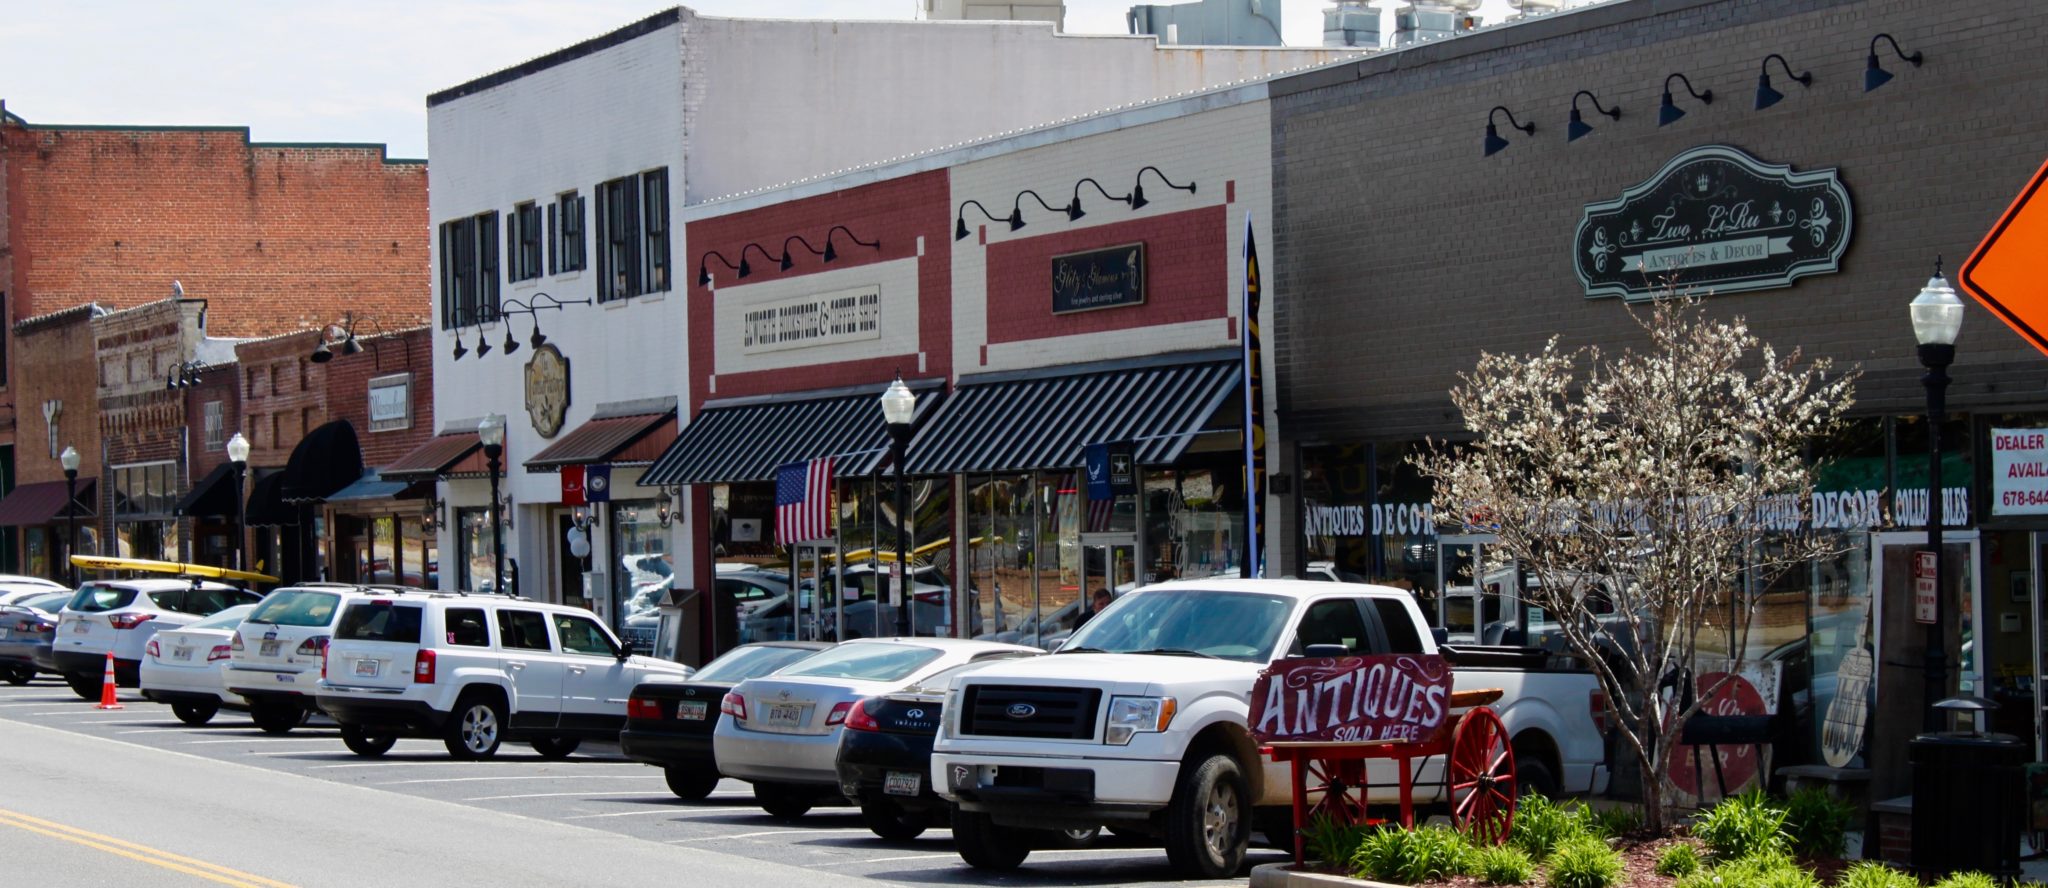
1380, 698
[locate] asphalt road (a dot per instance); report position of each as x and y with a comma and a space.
134, 797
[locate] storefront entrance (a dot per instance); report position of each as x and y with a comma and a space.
802, 614
1108, 562
1484, 612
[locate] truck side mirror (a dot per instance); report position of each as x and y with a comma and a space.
1440, 634
1328, 650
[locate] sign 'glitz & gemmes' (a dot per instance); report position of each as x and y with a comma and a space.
1717, 220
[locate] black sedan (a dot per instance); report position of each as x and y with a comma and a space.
670, 723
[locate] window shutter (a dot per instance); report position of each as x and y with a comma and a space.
554, 243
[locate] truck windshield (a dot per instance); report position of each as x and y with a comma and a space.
1227, 625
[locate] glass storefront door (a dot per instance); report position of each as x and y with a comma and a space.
2038, 552
1477, 603
1109, 568
815, 607
1891, 572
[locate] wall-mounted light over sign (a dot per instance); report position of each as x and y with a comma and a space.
704, 271
832, 255
1138, 185
960, 218
1016, 219
1579, 127
1874, 75
347, 343
746, 269
1494, 143
185, 375
1767, 96
461, 349
1074, 211
1668, 111
787, 253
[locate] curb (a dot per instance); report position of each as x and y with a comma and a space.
1280, 875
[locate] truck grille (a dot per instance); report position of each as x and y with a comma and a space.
1010, 711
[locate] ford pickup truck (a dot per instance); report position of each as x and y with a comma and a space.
1138, 722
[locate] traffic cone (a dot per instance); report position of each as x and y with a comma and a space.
107, 698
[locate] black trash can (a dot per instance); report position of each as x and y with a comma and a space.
1969, 799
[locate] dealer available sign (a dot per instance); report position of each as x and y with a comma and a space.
2019, 471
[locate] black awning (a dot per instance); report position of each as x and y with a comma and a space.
1016, 422
267, 507
745, 440
326, 460
212, 496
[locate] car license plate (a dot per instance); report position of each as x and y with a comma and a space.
904, 783
367, 668
182, 653
79, 628
693, 710
786, 715
269, 648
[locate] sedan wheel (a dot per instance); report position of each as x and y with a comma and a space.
87, 687
279, 718
366, 744
690, 785
474, 732
20, 675
195, 714
890, 820
782, 801
556, 747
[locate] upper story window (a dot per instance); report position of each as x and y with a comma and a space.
565, 229
522, 242
469, 270
632, 236
215, 425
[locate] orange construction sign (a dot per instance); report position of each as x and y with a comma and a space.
2008, 272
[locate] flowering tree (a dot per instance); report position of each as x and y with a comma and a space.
1649, 497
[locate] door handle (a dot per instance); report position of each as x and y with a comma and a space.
576, 669
516, 664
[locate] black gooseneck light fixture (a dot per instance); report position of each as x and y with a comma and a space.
1137, 199
746, 269
531, 307
787, 253
833, 255
1494, 143
461, 349
1074, 211
185, 375
1766, 96
704, 271
1875, 75
960, 218
1016, 219
1579, 127
1668, 111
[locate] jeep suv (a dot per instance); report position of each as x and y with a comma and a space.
475, 670
276, 653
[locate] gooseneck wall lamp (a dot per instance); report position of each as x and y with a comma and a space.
1579, 127
787, 254
746, 269
1017, 208
1074, 211
1138, 186
832, 255
185, 375
1668, 111
1494, 143
1874, 75
531, 306
704, 271
960, 218
1767, 96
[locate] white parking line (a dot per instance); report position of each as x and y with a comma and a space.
672, 811
259, 738
559, 795
889, 859
517, 777
772, 832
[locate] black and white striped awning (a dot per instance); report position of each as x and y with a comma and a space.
745, 439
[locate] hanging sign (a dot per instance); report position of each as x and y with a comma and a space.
1714, 219
2019, 471
1108, 278
572, 486
1110, 469
1385, 697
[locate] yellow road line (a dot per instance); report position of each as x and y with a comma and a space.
190, 866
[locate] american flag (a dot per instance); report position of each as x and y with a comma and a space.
803, 501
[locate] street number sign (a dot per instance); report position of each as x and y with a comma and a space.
1925, 600
2008, 272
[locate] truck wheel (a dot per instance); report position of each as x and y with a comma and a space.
1533, 777
782, 801
694, 786
984, 845
195, 714
1208, 824
892, 821
555, 747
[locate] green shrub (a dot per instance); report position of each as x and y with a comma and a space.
1871, 874
1584, 862
1501, 865
1541, 825
1329, 841
1399, 855
1773, 870
1742, 826
1815, 822
1612, 823
1678, 860
1967, 880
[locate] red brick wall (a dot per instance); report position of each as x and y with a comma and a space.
1186, 267
223, 384
895, 213
348, 391
274, 237
281, 389
54, 360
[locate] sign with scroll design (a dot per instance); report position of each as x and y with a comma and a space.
1378, 698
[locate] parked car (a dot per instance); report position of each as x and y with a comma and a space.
26, 629
120, 616
669, 724
186, 667
885, 755
14, 587
783, 731
274, 659
475, 670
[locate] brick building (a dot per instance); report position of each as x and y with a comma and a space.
56, 374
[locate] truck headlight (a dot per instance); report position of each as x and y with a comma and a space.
1128, 716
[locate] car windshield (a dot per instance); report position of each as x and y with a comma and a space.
48, 603
866, 662
297, 607
92, 598
740, 664
225, 619
1227, 625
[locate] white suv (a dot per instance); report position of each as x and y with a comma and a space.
274, 660
477, 669
120, 616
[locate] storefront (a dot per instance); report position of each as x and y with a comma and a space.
38, 511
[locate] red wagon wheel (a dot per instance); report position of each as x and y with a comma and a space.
1482, 777
1342, 783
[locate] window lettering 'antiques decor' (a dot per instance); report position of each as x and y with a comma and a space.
1714, 220
547, 389
1386, 697
1112, 277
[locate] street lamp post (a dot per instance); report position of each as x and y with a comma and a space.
69, 459
899, 405
238, 458
491, 431
1937, 317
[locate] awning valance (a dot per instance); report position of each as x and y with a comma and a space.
626, 438
1016, 422
326, 460
436, 457
41, 503
745, 439
373, 486
267, 507
212, 496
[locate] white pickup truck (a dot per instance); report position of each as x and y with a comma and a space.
1138, 722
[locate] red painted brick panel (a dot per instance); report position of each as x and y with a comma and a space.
1186, 264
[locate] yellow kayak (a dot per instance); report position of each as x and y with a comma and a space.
145, 565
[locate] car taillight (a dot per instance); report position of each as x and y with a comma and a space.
153, 650
838, 714
323, 661
236, 645
1597, 702
641, 707
858, 719
734, 705
423, 667
313, 646
129, 621
219, 652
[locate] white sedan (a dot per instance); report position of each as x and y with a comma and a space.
782, 730
187, 667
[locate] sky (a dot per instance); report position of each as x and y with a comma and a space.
349, 70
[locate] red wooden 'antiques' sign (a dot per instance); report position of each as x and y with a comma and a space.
1381, 698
